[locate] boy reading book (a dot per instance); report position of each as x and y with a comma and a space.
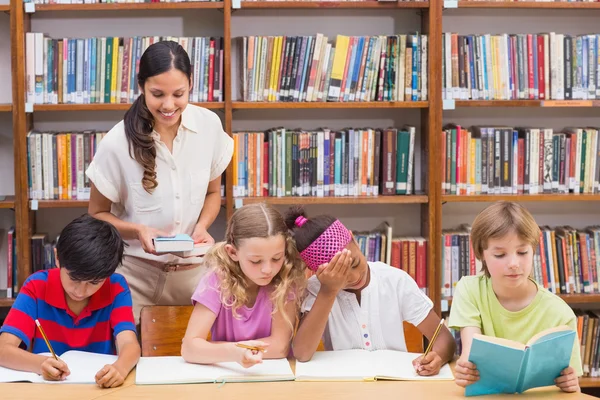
504, 301
82, 305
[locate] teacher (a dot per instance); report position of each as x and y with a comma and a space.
158, 173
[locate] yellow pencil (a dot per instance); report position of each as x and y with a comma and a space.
254, 348
46, 339
435, 335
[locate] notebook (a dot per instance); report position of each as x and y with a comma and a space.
506, 366
173, 370
83, 366
363, 365
198, 250
181, 242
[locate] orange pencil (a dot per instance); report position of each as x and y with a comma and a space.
435, 335
254, 348
46, 339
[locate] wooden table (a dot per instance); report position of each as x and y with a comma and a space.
264, 391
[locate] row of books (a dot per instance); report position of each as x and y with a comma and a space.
357, 68
508, 160
545, 66
8, 271
57, 162
566, 261
112, 1
589, 339
104, 69
324, 163
42, 252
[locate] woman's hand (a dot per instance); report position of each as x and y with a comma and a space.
145, 234
201, 235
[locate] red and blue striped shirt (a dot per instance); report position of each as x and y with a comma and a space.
108, 313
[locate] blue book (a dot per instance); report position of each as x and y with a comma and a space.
506, 366
180, 242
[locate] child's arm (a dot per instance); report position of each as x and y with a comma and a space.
333, 278
281, 333
196, 349
465, 372
443, 348
128, 348
13, 357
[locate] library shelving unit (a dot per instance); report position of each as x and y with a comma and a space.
430, 112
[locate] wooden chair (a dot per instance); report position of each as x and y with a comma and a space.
163, 327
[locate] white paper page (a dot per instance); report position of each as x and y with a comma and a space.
342, 365
171, 370
84, 366
398, 364
10, 375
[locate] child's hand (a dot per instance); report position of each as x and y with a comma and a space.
334, 274
248, 358
465, 373
567, 381
428, 365
109, 377
53, 370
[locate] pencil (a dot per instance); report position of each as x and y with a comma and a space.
46, 339
255, 348
435, 335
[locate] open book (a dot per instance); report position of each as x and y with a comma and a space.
506, 366
172, 370
363, 365
83, 366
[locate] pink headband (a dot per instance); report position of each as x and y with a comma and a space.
335, 238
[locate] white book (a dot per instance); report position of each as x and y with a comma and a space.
175, 370
83, 366
363, 365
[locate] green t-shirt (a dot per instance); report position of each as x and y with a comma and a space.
475, 304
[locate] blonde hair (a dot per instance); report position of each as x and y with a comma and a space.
258, 221
498, 220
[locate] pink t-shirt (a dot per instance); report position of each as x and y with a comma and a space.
252, 323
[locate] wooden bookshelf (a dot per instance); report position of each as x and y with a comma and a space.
571, 299
561, 5
329, 105
548, 197
4, 302
69, 203
587, 382
528, 103
8, 202
5, 8
334, 4
130, 6
415, 199
106, 107
5, 107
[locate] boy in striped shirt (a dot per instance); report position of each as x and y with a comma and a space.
81, 305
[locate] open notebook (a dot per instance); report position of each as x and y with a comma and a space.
363, 365
83, 367
173, 370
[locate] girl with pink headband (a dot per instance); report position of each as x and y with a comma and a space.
355, 304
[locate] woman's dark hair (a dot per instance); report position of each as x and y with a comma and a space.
309, 231
158, 58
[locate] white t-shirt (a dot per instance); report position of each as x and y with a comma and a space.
391, 297
201, 152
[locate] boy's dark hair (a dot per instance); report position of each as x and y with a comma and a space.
307, 233
89, 249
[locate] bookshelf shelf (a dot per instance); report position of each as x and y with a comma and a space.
413, 199
5, 107
575, 298
129, 6
4, 302
332, 105
334, 4
528, 103
8, 202
529, 4
587, 382
521, 197
5, 8
69, 203
105, 107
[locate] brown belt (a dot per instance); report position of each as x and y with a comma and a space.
165, 267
